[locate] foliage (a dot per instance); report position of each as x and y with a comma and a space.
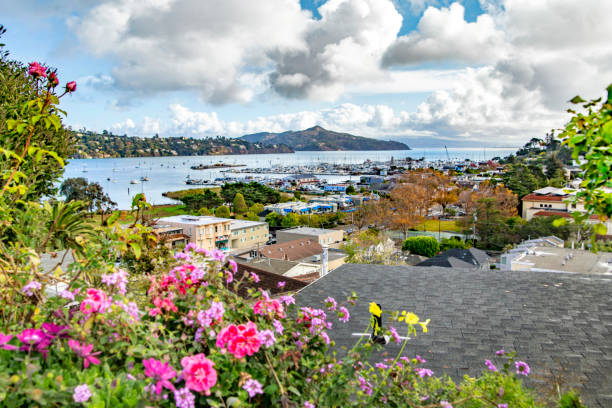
589, 135
450, 243
570, 399
208, 199
204, 211
239, 204
92, 194
349, 190
18, 91
425, 246
252, 192
222, 212
93, 145
256, 208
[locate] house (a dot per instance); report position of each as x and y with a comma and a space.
471, 258
304, 250
248, 234
267, 280
299, 179
340, 188
322, 236
205, 231
560, 324
298, 207
170, 235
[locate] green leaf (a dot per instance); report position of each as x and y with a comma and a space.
577, 99
600, 229
559, 222
576, 139
136, 249
293, 390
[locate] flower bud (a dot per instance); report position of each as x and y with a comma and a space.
71, 86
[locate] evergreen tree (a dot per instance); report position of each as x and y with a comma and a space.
240, 206
222, 212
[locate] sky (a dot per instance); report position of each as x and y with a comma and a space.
427, 72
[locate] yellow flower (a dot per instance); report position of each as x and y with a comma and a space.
424, 325
375, 310
409, 317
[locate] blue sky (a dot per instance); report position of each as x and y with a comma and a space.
486, 72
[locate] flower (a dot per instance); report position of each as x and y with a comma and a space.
269, 307
394, 334
420, 359
409, 318
53, 330
281, 284
502, 405
490, 365
96, 302
331, 304
233, 265
37, 70
267, 337
308, 404
445, 404
84, 351
199, 374
255, 277
375, 309
118, 279
71, 86
81, 393
34, 338
162, 373
365, 386
32, 285
278, 326
67, 294
522, 368
241, 340
4, 339
184, 399
343, 314
253, 387
423, 372
424, 325
500, 352
218, 255
287, 299
53, 81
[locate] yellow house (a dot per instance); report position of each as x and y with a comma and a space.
205, 231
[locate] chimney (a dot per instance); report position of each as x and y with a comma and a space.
324, 261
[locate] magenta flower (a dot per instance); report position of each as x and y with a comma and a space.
4, 339
502, 405
344, 315
331, 304
34, 339
37, 70
53, 330
229, 277
445, 404
84, 351
309, 404
396, 337
233, 265
267, 337
500, 352
287, 299
424, 372
81, 393
199, 374
96, 302
255, 277
281, 284
420, 359
162, 373
490, 365
253, 387
278, 326
183, 398
522, 368
71, 86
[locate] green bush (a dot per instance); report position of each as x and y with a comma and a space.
222, 212
426, 246
451, 243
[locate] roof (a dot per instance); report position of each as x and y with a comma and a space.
554, 259
556, 322
239, 224
292, 250
563, 214
458, 258
193, 219
308, 231
267, 280
536, 197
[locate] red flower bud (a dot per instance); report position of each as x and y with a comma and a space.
37, 70
71, 86
53, 80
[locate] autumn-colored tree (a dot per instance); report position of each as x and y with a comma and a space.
367, 214
446, 192
507, 201
410, 204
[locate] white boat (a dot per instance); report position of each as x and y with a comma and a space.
134, 182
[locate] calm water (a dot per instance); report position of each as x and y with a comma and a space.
170, 173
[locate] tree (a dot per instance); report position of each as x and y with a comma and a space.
351, 190
92, 194
520, 179
410, 204
208, 199
240, 206
256, 208
425, 246
274, 219
222, 212
290, 220
204, 211
446, 192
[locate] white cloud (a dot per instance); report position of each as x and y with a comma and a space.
444, 35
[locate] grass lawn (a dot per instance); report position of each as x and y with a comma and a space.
445, 225
157, 212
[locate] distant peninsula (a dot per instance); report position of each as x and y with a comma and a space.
106, 145
319, 139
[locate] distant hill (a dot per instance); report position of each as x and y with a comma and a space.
94, 145
316, 138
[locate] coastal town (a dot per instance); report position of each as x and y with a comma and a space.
306, 204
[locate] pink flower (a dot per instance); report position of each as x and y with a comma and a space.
343, 314
281, 284
162, 373
331, 304
30, 287
37, 70
445, 404
278, 326
490, 365
218, 255
199, 374
4, 339
71, 86
96, 302
396, 337
267, 337
420, 359
502, 405
81, 393
253, 387
255, 277
184, 399
269, 307
53, 80
522, 368
241, 340
190, 247
117, 279
84, 351
424, 372
233, 265
229, 277
309, 404
288, 300
500, 352
53, 330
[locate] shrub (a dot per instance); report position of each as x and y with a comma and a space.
239, 204
451, 243
425, 246
222, 212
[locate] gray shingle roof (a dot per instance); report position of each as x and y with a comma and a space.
459, 258
560, 323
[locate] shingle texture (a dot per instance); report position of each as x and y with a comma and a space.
458, 258
558, 323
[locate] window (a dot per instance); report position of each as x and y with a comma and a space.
216, 228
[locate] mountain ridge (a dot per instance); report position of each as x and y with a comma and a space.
318, 138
